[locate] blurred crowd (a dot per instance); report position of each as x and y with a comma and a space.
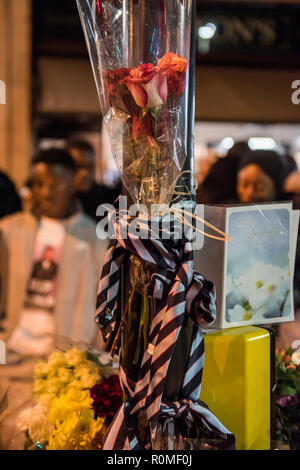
50, 255
246, 176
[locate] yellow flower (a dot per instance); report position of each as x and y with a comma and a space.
64, 416
76, 434
74, 425
57, 359
63, 371
54, 385
87, 374
65, 375
74, 357
70, 402
39, 386
41, 369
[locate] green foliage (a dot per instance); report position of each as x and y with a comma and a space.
288, 398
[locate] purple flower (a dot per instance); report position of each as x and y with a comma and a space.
287, 400
278, 423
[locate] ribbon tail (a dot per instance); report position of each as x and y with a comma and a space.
118, 436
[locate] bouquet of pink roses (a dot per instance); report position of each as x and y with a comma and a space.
148, 95
139, 52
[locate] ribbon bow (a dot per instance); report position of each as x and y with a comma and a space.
180, 292
194, 421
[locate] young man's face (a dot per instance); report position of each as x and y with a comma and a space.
52, 190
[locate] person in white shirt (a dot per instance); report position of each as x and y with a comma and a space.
52, 260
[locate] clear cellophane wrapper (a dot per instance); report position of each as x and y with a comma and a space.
139, 53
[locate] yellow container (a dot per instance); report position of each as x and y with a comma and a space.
236, 383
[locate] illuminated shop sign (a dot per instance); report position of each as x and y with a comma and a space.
248, 34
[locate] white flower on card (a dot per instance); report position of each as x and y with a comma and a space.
239, 313
234, 294
265, 284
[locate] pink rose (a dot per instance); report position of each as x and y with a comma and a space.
147, 85
174, 66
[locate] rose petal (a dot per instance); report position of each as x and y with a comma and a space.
152, 89
146, 72
175, 68
138, 93
163, 87
176, 84
174, 61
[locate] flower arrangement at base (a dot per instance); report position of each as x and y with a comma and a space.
74, 403
288, 397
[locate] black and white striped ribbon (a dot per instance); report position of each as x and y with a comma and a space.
179, 292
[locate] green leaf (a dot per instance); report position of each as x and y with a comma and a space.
288, 390
289, 351
155, 111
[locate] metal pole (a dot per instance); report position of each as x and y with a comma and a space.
180, 357
189, 163
186, 179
